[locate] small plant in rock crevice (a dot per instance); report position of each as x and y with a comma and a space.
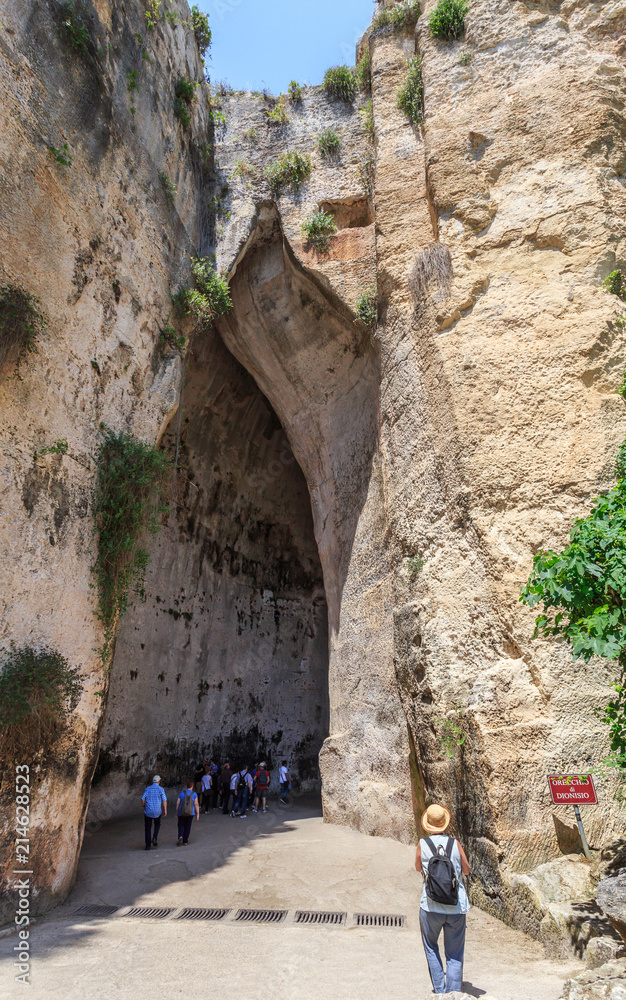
367, 307
365, 166
127, 501
366, 114
184, 93
328, 142
169, 336
58, 448
451, 732
363, 73
243, 169
318, 229
61, 156
340, 82
415, 566
278, 114
168, 186
622, 389
447, 20
38, 692
289, 170
411, 94
433, 266
21, 323
615, 283
73, 26
201, 30
294, 90
400, 17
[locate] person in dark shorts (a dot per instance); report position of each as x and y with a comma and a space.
262, 783
154, 800
186, 805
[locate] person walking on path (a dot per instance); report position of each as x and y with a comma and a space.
243, 788
225, 779
262, 782
234, 781
207, 794
154, 799
213, 770
186, 805
285, 781
197, 777
444, 903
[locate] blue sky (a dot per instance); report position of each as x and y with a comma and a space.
267, 43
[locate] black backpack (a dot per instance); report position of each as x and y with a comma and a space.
241, 781
442, 885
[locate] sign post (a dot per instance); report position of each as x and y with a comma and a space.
574, 789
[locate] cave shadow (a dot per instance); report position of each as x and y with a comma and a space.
115, 869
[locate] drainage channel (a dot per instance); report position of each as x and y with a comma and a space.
308, 918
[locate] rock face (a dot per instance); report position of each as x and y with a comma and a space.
606, 983
611, 897
354, 511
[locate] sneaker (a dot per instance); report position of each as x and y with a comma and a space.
265, 810
179, 841
243, 816
254, 810
232, 814
147, 847
154, 843
284, 800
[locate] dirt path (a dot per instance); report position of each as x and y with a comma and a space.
288, 859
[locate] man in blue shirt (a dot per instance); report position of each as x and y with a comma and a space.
154, 798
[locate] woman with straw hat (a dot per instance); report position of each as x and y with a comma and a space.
435, 915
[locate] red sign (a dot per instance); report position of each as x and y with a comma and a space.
572, 789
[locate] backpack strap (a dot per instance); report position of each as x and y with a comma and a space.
431, 846
450, 847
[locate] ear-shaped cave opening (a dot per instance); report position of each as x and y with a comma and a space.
226, 653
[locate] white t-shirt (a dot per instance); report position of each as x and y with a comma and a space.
206, 782
233, 782
283, 773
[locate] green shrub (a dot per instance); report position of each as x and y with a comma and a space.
447, 20
177, 341
243, 169
201, 30
411, 93
278, 114
328, 142
21, 324
295, 92
127, 501
340, 82
367, 307
73, 26
318, 229
210, 296
38, 692
290, 169
466, 58
132, 80
367, 119
583, 592
168, 186
363, 73
58, 448
182, 112
61, 156
184, 93
615, 284
401, 17
153, 14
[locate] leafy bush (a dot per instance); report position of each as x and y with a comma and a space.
177, 341
201, 30
295, 92
278, 114
210, 296
401, 17
132, 80
38, 691
328, 142
367, 307
318, 229
447, 20
340, 82
20, 323
153, 15
290, 169
367, 119
131, 477
411, 93
615, 284
363, 73
583, 592
73, 26
184, 93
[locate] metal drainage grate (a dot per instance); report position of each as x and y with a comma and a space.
95, 910
201, 913
319, 917
261, 916
379, 920
157, 912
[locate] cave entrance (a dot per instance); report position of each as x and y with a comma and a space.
226, 655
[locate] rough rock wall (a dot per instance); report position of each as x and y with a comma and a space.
100, 245
226, 655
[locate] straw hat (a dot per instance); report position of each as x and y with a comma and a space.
436, 819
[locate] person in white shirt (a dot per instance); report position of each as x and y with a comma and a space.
207, 784
285, 781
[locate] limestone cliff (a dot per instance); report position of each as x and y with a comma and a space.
388, 485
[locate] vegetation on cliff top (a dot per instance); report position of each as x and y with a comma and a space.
38, 691
127, 501
401, 17
447, 20
340, 82
583, 592
201, 30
